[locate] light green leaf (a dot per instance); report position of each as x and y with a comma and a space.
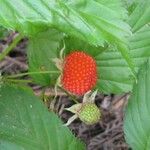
92, 21
140, 15
42, 49
25, 123
137, 120
114, 73
140, 45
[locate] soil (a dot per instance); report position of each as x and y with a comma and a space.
107, 134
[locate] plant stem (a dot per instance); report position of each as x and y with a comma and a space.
30, 73
72, 97
16, 80
10, 47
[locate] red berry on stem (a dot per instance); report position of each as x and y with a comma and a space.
79, 73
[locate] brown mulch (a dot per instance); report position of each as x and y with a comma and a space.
107, 134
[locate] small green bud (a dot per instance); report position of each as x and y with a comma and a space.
89, 113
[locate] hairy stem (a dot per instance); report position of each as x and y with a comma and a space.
30, 73
16, 80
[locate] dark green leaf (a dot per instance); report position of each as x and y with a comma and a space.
137, 120
42, 49
74, 44
25, 123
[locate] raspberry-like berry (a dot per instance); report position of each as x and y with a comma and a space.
89, 113
79, 73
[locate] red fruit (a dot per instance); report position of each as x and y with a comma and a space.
79, 73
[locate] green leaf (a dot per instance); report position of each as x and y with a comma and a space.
104, 19
114, 73
137, 120
26, 124
140, 45
42, 49
92, 21
140, 15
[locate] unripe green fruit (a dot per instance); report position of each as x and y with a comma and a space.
89, 113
